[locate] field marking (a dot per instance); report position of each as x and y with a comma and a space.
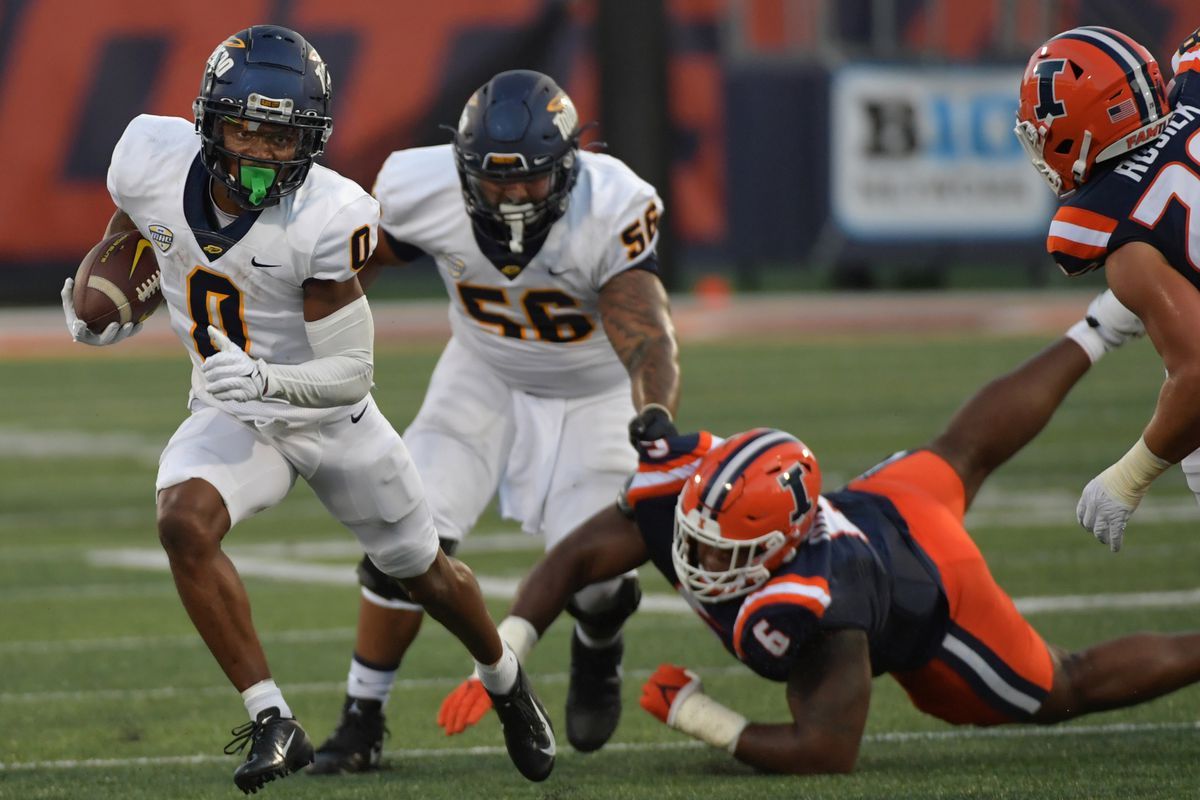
505, 588
50, 444
897, 737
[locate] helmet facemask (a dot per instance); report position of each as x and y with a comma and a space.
516, 223
747, 568
263, 75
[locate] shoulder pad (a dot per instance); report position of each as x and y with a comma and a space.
1078, 239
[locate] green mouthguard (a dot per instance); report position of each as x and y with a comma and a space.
258, 180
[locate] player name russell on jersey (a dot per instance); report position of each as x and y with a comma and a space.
1138, 163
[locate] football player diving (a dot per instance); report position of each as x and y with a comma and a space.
1121, 152
822, 592
259, 250
561, 334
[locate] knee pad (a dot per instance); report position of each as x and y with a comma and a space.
608, 618
390, 589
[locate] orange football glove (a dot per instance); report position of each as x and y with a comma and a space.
464, 706
667, 688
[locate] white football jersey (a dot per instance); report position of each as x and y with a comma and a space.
245, 278
539, 329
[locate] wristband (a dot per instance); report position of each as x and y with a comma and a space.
1129, 479
700, 716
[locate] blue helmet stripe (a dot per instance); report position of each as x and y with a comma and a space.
732, 466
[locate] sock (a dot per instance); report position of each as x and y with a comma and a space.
596, 642
264, 695
368, 681
1087, 337
501, 677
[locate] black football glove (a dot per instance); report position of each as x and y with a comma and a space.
653, 423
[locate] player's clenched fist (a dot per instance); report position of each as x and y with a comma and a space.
464, 706
667, 689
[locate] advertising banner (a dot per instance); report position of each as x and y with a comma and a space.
928, 152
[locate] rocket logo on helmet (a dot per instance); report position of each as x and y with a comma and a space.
1088, 95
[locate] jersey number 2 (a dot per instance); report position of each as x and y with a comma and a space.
1177, 182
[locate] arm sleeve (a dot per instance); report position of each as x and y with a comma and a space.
342, 367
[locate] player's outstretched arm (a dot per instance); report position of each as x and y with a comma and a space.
1169, 306
828, 693
637, 319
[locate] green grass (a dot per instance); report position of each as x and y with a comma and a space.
102, 663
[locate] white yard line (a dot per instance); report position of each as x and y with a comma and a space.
898, 737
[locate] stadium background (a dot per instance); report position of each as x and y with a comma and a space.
805, 148
904, 175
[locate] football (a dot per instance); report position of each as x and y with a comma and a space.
117, 281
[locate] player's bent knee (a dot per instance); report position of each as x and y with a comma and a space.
191, 519
389, 589
606, 613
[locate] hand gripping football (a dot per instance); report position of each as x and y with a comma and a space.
117, 281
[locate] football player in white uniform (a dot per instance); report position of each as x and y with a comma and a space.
259, 250
561, 335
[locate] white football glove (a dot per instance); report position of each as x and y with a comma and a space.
79, 330
230, 374
1103, 514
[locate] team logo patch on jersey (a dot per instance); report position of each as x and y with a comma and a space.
213, 249
162, 236
511, 270
455, 266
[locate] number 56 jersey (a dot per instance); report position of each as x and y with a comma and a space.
1152, 196
247, 277
537, 324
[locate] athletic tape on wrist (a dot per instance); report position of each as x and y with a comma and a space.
700, 716
1129, 479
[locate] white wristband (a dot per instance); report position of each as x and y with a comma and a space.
519, 634
700, 716
1129, 479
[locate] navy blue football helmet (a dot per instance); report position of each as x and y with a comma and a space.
265, 73
519, 126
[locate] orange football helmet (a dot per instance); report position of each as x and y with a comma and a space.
1089, 94
753, 498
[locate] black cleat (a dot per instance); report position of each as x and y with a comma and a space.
278, 747
527, 731
594, 694
356, 745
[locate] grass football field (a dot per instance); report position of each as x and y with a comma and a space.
107, 692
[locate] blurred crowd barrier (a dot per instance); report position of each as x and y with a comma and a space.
803, 132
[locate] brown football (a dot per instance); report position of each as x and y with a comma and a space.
117, 281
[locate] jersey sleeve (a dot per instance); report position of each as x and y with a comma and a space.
406, 186
662, 473
1080, 239
347, 242
776, 623
630, 211
141, 153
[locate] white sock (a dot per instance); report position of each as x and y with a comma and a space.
264, 695
1087, 337
367, 683
501, 677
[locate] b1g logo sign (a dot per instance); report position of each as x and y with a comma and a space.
929, 153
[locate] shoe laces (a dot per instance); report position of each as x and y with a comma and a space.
242, 736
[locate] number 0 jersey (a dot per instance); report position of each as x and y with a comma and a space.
1152, 196
246, 278
538, 325
860, 568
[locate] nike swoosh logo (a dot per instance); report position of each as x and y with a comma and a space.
254, 262
553, 271
354, 419
288, 744
137, 255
